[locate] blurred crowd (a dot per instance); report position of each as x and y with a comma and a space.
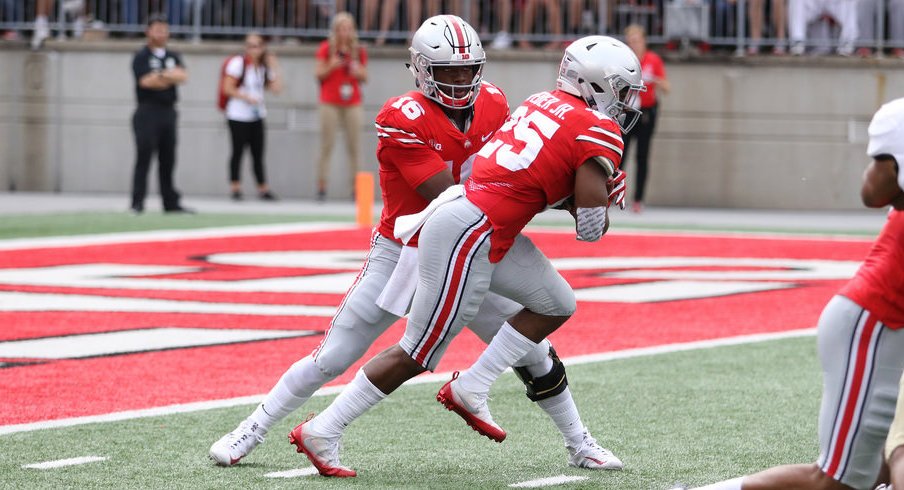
845, 27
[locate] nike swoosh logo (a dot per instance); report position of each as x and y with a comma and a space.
486, 137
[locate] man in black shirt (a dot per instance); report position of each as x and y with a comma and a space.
157, 72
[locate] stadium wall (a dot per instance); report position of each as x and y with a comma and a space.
739, 133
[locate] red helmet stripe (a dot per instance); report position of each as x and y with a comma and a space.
459, 32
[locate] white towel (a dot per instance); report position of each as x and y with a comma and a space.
407, 226
399, 290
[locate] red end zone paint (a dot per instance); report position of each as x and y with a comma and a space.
69, 388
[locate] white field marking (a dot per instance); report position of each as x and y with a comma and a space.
48, 465
656, 291
129, 341
81, 302
422, 379
309, 471
169, 235
548, 482
135, 276
755, 235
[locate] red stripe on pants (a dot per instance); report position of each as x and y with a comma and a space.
854, 395
454, 291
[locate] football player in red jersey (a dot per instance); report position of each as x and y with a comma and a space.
557, 144
860, 337
428, 140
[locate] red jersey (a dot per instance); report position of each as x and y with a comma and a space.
652, 69
340, 87
418, 141
531, 162
878, 285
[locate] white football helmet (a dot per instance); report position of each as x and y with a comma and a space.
605, 73
446, 40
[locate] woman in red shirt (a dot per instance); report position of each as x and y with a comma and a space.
653, 78
341, 68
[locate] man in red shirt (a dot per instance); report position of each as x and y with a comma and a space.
860, 340
558, 147
428, 141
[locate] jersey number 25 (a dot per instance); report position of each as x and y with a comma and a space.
525, 127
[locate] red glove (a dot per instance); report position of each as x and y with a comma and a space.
617, 186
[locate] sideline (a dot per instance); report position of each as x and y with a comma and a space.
423, 379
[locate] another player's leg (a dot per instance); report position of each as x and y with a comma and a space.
857, 400
357, 323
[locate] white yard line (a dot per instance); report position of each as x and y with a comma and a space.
548, 482
426, 378
60, 463
309, 471
167, 235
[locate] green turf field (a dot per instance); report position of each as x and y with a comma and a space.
693, 417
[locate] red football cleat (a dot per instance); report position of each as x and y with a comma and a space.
322, 451
472, 407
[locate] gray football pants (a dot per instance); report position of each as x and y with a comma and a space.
455, 275
862, 360
359, 321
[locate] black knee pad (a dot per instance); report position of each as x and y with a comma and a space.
548, 385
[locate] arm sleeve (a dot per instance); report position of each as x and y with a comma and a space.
416, 164
659, 71
323, 51
234, 67
140, 66
362, 57
599, 141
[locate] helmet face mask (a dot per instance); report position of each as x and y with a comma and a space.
446, 41
605, 73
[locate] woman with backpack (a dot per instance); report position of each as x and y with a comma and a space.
341, 68
244, 80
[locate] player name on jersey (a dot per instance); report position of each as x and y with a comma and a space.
546, 100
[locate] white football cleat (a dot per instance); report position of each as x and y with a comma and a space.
237, 444
470, 406
593, 456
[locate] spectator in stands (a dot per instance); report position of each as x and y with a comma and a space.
341, 68
503, 16
867, 11
157, 71
553, 22
11, 11
390, 11
247, 79
654, 78
801, 13
755, 11
69, 9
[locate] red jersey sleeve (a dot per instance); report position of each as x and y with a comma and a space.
600, 137
404, 134
362, 55
323, 51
